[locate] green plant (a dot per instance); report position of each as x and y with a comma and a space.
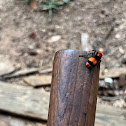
51, 5
27, 1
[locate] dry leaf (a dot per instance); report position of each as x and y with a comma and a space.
33, 5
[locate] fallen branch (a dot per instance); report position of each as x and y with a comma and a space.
21, 73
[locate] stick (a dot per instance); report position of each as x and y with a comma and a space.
74, 90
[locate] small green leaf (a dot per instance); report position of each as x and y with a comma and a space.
66, 1
51, 5
50, 15
27, 1
43, 7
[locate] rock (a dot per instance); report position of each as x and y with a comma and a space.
119, 103
121, 50
123, 61
108, 80
54, 38
32, 52
36, 81
117, 36
31, 63
122, 80
84, 42
6, 66
2, 123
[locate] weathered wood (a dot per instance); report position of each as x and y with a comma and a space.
15, 97
105, 116
8, 120
110, 116
113, 73
44, 71
23, 72
74, 90
24, 101
37, 80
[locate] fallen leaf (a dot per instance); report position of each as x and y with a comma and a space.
33, 5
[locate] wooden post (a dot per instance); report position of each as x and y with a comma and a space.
73, 91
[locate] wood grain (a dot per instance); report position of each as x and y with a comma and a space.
73, 91
8, 120
24, 101
110, 116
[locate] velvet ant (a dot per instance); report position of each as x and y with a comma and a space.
92, 61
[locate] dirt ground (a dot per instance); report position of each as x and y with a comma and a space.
103, 20
18, 21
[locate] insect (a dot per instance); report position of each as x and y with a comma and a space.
92, 61
32, 35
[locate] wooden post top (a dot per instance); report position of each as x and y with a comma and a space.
73, 91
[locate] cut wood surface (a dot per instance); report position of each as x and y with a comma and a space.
24, 101
38, 80
73, 90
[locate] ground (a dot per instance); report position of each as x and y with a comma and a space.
18, 21
101, 20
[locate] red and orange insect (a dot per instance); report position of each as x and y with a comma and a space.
92, 61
